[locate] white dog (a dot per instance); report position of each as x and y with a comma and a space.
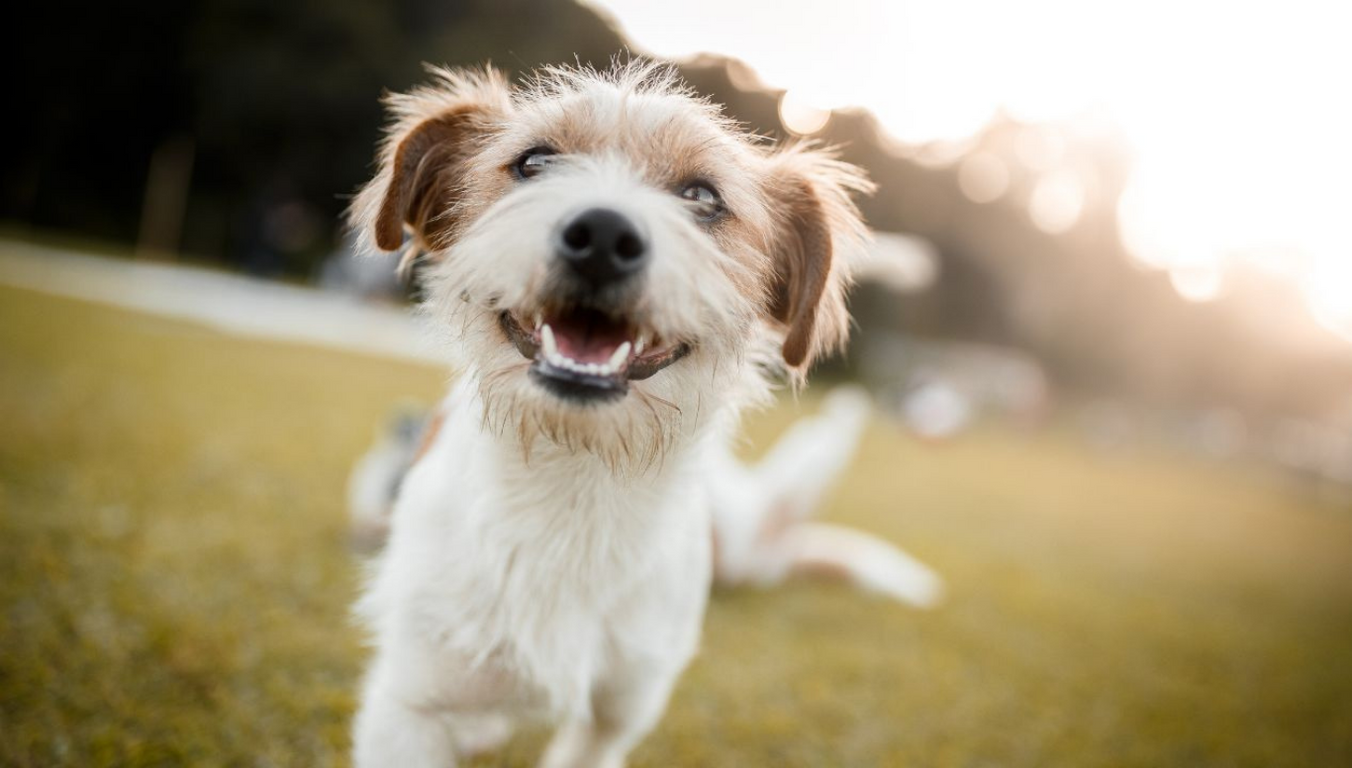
619, 269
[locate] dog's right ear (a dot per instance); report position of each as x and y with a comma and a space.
434, 132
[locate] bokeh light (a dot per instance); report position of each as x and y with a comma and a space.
1058, 200
983, 177
800, 117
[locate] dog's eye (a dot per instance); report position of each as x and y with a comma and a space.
533, 161
706, 202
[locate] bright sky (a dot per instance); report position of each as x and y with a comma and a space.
1238, 113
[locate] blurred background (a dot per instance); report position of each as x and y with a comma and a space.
1110, 324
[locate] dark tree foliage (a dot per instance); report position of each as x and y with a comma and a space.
93, 89
279, 100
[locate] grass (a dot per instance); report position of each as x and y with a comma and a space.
174, 583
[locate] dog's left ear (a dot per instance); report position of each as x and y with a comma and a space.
819, 236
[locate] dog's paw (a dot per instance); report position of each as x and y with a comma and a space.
481, 734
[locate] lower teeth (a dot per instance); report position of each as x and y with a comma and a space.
550, 349
593, 369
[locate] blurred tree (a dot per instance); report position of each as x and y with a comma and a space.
280, 99
93, 89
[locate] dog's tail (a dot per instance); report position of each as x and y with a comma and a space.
762, 532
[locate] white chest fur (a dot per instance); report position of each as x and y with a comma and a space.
524, 582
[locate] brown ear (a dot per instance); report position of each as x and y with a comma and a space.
435, 132
820, 227
424, 180
802, 269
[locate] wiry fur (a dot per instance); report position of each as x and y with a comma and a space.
548, 557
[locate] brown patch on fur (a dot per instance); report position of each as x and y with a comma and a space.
671, 136
434, 132
429, 435
749, 268
823, 568
802, 270
425, 181
820, 234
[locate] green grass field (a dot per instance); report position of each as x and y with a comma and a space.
175, 578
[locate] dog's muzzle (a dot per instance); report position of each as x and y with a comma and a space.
584, 344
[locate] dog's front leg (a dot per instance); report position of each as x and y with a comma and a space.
398, 723
390, 732
623, 711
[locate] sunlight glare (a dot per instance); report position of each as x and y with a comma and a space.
1235, 113
1329, 287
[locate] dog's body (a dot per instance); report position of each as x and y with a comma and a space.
621, 270
553, 588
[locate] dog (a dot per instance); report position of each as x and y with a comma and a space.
619, 270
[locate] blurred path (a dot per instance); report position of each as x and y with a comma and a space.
229, 303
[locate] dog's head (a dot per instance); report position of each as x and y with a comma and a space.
615, 257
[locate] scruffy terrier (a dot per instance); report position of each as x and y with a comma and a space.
621, 270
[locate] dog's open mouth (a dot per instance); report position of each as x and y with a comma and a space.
588, 355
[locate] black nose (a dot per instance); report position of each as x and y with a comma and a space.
602, 246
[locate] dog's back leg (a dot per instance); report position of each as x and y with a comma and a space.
761, 531
868, 561
809, 458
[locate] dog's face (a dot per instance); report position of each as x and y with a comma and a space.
615, 258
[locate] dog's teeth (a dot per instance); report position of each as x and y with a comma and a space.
620, 356
640, 344
547, 342
539, 320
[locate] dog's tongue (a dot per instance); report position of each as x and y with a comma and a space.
586, 336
